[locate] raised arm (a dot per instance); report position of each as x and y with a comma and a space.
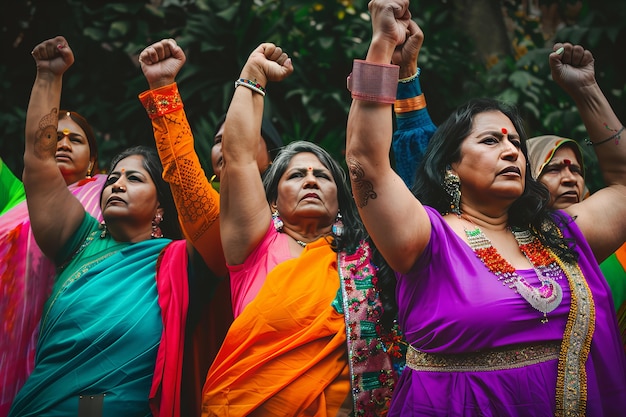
601, 217
394, 218
54, 212
196, 200
245, 213
414, 128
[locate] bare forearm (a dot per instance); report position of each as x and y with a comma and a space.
603, 127
243, 126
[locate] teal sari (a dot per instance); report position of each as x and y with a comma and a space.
100, 329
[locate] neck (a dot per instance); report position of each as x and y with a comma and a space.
304, 235
485, 220
121, 233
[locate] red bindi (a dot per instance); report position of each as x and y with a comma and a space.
504, 131
567, 162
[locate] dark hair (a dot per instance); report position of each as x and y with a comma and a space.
444, 148
354, 230
91, 137
151, 162
353, 227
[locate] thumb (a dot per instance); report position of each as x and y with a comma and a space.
65, 52
555, 60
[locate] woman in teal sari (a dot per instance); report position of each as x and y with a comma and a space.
113, 330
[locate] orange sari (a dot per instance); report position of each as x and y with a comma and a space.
290, 359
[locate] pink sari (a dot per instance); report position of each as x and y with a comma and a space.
26, 279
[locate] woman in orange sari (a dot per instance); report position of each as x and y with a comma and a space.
309, 329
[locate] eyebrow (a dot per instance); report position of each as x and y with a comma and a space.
315, 170
72, 134
128, 172
498, 134
562, 163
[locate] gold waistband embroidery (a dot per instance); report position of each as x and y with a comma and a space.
509, 357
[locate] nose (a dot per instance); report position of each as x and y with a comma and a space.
310, 180
511, 152
64, 143
118, 187
567, 176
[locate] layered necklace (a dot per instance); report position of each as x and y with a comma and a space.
544, 298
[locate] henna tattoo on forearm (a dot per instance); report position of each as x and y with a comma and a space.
362, 189
46, 136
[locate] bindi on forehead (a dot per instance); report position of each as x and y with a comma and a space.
66, 131
567, 162
504, 131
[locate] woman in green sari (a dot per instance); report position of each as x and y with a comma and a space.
113, 330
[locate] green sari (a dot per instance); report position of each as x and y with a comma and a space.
100, 329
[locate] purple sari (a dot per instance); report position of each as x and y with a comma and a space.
449, 303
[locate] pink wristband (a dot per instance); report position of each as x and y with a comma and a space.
373, 82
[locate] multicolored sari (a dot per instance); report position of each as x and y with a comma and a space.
26, 278
11, 189
614, 270
307, 342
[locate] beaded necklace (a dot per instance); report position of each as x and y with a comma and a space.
544, 298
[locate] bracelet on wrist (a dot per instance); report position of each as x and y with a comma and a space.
411, 78
616, 136
406, 105
374, 82
252, 85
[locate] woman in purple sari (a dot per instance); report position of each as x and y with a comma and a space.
501, 300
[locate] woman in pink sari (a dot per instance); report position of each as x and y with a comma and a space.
26, 275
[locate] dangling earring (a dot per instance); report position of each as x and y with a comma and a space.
103, 227
338, 225
156, 230
452, 186
89, 170
278, 223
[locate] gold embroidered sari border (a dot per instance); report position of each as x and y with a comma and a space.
571, 386
508, 357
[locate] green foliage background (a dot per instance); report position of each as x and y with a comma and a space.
322, 38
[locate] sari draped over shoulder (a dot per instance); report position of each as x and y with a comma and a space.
306, 342
295, 350
26, 279
101, 329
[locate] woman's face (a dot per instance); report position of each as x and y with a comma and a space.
492, 164
263, 159
307, 190
563, 177
129, 194
73, 151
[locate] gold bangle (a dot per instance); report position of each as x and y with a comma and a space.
406, 105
